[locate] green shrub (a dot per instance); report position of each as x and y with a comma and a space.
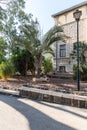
47, 65
83, 72
23, 62
6, 70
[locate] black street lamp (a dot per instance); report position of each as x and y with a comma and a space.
77, 14
56, 56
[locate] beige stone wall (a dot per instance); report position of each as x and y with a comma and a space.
67, 17
69, 25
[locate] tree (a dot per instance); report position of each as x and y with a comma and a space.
23, 61
2, 19
37, 46
14, 14
3, 46
82, 59
47, 65
12, 23
53, 35
6, 69
14, 30
82, 52
22, 33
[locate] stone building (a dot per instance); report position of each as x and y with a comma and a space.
66, 20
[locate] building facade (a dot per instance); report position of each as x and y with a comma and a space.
66, 20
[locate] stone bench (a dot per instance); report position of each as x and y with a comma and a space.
54, 97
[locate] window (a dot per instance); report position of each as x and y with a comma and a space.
62, 69
63, 50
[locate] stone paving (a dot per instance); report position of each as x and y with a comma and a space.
23, 114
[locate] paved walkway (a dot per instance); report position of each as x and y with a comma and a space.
9, 92
24, 114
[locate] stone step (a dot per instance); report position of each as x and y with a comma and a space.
54, 97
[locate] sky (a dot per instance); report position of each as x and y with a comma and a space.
43, 10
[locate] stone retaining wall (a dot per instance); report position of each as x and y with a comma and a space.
54, 97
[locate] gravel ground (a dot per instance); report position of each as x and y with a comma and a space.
55, 83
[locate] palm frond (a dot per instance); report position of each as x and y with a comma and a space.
53, 35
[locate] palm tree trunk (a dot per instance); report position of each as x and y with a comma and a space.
38, 63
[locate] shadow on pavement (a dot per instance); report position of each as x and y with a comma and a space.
37, 120
62, 109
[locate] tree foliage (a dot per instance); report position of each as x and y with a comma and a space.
6, 69
3, 46
82, 52
47, 65
82, 59
23, 62
23, 37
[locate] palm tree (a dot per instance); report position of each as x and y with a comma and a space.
53, 35
31, 40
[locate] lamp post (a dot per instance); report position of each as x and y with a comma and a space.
77, 14
56, 56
